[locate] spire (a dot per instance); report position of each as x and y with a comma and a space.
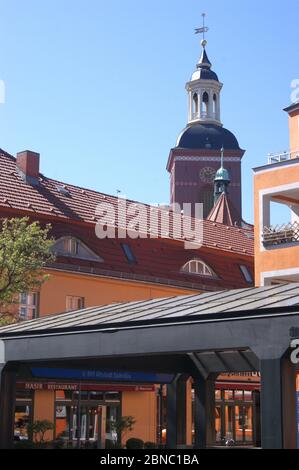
224, 212
204, 62
221, 180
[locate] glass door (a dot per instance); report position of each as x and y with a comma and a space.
88, 423
244, 424
229, 424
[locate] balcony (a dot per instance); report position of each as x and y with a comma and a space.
282, 156
281, 234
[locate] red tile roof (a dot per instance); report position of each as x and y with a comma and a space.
68, 207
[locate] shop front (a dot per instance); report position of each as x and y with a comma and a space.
237, 410
23, 413
83, 414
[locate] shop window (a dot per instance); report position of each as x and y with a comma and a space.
29, 306
198, 267
99, 396
228, 395
112, 396
22, 420
247, 395
74, 303
239, 395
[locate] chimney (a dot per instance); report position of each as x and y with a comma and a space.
28, 166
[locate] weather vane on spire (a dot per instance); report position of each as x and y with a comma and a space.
204, 29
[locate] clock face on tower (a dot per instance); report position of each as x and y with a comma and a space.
207, 174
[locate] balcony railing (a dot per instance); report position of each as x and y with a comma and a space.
282, 156
281, 234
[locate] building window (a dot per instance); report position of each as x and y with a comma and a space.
29, 306
199, 268
74, 303
195, 104
214, 105
70, 246
205, 105
246, 274
129, 253
74, 248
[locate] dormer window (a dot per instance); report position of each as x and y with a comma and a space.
73, 248
198, 268
128, 253
246, 274
70, 246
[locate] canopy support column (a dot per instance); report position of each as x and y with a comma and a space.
176, 412
7, 405
204, 404
278, 404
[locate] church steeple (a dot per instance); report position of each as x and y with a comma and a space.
223, 211
204, 90
194, 160
221, 180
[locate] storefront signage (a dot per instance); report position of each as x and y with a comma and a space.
46, 386
84, 387
101, 375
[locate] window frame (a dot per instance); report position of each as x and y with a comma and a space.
246, 273
128, 252
69, 301
70, 246
207, 271
30, 303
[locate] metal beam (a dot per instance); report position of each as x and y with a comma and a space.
204, 405
159, 340
278, 404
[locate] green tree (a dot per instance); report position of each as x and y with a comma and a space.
25, 249
122, 425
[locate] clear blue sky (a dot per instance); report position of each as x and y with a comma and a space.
97, 87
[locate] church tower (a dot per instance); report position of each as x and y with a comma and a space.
195, 159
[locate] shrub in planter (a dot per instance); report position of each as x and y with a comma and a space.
58, 444
24, 444
37, 431
150, 445
134, 443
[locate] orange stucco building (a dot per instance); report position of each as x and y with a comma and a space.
276, 191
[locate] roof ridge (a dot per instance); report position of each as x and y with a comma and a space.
3, 153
